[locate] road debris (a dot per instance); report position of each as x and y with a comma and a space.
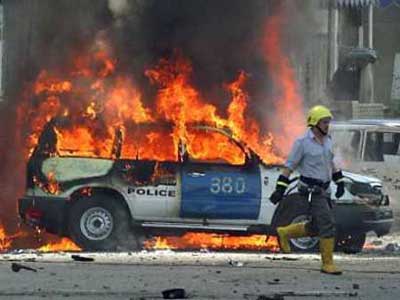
235, 263
177, 293
281, 295
81, 258
282, 258
275, 281
17, 267
273, 297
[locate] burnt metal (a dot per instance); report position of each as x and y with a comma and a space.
177, 293
17, 267
81, 258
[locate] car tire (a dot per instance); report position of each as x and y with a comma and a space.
294, 208
352, 244
101, 223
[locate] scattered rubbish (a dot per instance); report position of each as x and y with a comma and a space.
281, 295
31, 259
272, 297
17, 267
236, 263
177, 293
275, 281
81, 258
282, 258
356, 286
289, 258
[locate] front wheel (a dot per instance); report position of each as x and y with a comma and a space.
294, 208
101, 223
304, 244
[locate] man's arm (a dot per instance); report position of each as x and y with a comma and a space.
338, 178
282, 183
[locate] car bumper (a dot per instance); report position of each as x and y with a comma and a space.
42, 212
363, 218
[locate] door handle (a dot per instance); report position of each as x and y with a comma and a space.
196, 174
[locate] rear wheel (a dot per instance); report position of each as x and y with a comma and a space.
101, 223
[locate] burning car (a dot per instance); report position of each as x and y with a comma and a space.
102, 202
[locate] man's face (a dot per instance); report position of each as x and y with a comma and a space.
323, 124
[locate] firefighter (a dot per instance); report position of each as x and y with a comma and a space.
312, 157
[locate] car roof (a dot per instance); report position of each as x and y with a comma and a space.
368, 123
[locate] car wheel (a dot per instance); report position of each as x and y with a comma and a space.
351, 244
304, 244
294, 209
101, 223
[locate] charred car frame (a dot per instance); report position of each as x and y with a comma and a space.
106, 203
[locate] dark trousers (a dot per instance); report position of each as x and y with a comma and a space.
322, 220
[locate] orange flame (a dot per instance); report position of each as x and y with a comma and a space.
105, 107
52, 187
5, 241
63, 245
289, 115
98, 104
194, 241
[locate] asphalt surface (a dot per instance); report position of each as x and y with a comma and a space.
372, 274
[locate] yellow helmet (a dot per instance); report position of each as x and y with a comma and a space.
317, 113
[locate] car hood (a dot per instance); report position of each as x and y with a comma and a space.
362, 178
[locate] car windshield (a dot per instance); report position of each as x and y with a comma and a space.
346, 144
149, 142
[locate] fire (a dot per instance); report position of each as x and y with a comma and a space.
105, 103
194, 241
289, 116
5, 241
88, 107
52, 186
63, 245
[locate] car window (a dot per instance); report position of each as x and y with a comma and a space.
213, 147
382, 146
148, 172
83, 142
148, 143
346, 144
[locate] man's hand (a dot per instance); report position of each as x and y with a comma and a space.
281, 185
276, 196
338, 178
339, 190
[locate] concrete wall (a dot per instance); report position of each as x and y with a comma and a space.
311, 62
387, 43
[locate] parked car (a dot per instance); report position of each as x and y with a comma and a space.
101, 203
369, 140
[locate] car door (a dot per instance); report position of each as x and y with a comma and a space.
222, 183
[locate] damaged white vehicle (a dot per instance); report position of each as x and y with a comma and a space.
105, 203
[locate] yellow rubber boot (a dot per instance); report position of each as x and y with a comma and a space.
326, 246
288, 232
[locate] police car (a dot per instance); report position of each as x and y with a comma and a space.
105, 203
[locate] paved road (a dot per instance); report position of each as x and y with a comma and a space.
144, 275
